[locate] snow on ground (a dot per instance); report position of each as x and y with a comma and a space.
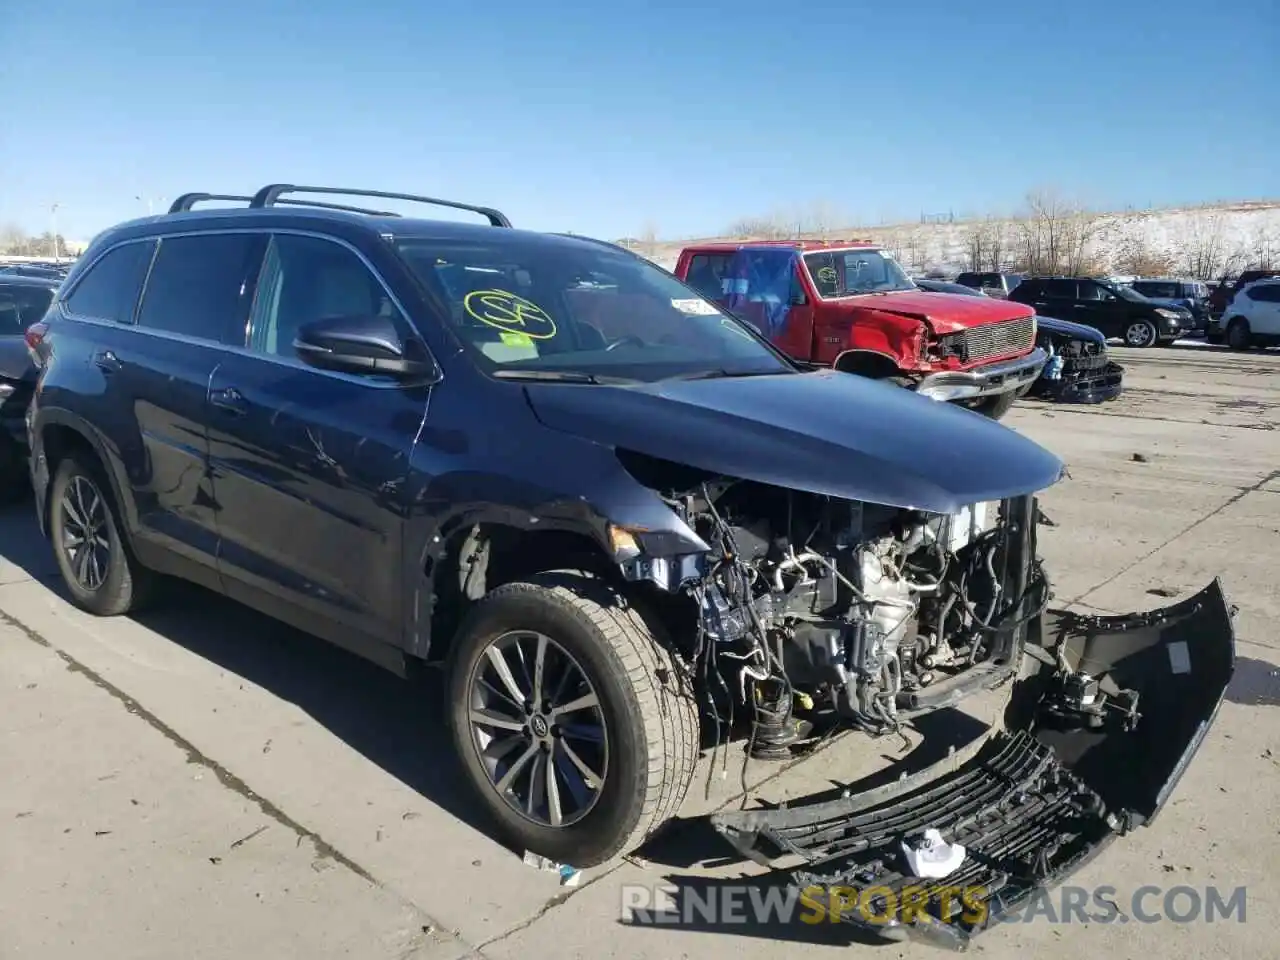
1196, 240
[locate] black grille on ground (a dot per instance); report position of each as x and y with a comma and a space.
998, 339
1022, 817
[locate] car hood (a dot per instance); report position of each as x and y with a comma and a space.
1169, 303
823, 432
1079, 331
943, 312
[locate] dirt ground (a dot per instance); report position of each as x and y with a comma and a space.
202, 782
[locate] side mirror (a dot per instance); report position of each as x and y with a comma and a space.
361, 344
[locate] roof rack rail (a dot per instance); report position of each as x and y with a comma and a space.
271, 194
188, 200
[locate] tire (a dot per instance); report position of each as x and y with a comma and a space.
1141, 333
647, 709
997, 406
1238, 337
124, 585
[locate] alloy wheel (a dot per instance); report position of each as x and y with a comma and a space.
538, 728
1140, 335
85, 538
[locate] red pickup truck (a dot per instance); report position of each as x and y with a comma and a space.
849, 305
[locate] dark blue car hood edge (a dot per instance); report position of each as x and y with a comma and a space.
825, 433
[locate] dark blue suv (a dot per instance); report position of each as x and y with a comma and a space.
620, 517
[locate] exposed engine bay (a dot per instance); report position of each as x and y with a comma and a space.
813, 605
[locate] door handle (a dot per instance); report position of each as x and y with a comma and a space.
229, 399
106, 361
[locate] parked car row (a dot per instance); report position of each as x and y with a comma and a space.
1252, 316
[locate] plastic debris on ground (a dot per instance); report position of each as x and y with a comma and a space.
933, 858
569, 876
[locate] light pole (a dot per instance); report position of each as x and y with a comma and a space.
53, 216
149, 201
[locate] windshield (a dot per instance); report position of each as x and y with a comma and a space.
1128, 293
850, 273
542, 306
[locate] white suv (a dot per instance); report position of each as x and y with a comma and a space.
1252, 318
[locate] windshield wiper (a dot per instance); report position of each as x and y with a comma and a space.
720, 374
560, 376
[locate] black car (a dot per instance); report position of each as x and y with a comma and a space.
1078, 370
1111, 308
23, 301
613, 510
992, 283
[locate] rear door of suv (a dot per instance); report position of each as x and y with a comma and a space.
307, 463
140, 389
196, 294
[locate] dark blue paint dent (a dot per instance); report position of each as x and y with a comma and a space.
823, 432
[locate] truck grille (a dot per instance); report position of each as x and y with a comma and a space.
998, 339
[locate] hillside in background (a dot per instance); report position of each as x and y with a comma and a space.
1052, 236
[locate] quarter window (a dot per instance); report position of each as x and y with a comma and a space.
109, 290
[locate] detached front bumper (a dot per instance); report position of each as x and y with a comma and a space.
1082, 382
995, 378
1083, 759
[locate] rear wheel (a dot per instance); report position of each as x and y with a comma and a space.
574, 724
99, 570
1141, 333
1238, 337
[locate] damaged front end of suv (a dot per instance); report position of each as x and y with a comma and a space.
813, 609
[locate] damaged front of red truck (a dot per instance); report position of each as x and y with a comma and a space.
852, 307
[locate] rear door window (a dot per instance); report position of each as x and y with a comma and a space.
109, 290
199, 286
1058, 289
706, 274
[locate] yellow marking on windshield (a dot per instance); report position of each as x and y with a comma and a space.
510, 313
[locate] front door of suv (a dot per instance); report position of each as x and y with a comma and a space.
1099, 307
308, 464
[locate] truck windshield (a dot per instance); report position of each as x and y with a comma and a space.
558, 308
850, 273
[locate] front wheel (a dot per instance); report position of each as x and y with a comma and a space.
574, 724
996, 406
1141, 333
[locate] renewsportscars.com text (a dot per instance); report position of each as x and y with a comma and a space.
729, 904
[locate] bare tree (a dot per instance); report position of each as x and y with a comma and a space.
649, 239
1204, 252
986, 244
1136, 256
1057, 236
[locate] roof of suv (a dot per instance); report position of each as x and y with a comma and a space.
273, 200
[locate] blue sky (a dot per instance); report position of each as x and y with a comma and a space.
603, 118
